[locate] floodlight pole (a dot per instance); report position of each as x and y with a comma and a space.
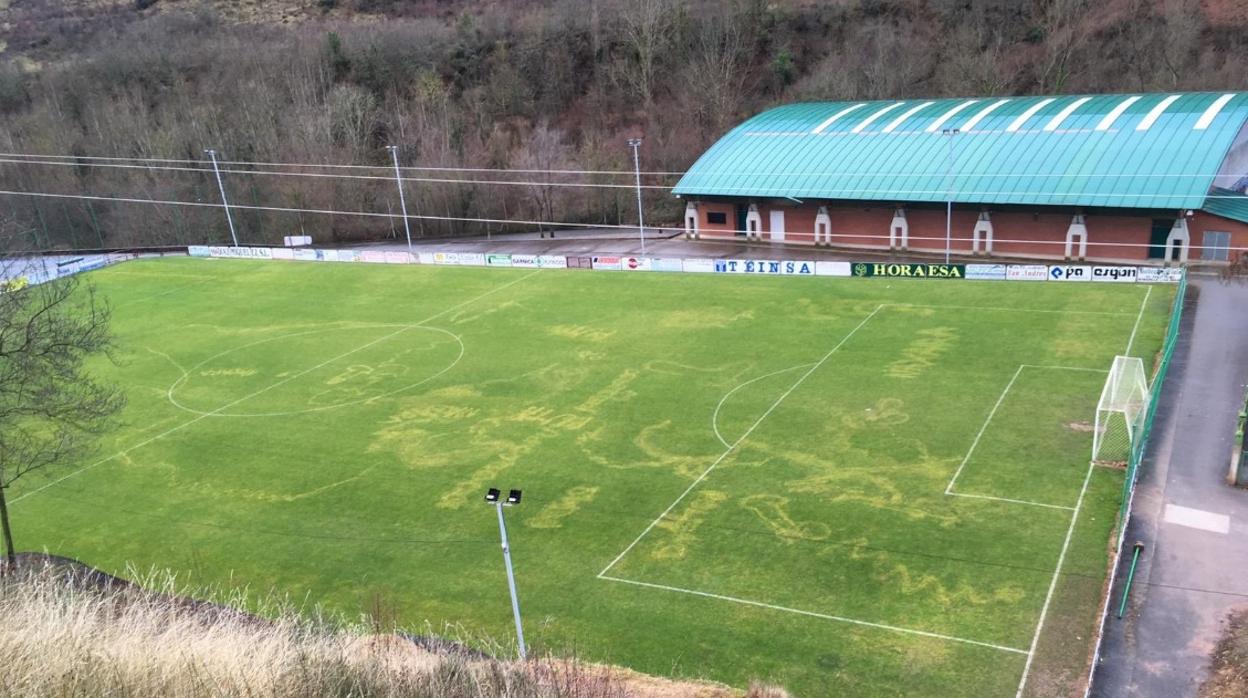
511, 580
950, 132
635, 143
224, 201
398, 180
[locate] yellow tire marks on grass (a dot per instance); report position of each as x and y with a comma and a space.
773, 510
552, 515
922, 353
683, 528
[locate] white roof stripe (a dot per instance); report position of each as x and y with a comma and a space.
828, 122
1207, 118
1031, 111
935, 125
1062, 115
1151, 117
871, 119
974, 121
905, 115
1116, 112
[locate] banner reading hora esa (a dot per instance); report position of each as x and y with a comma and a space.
918, 271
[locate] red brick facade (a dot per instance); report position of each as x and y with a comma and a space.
1111, 237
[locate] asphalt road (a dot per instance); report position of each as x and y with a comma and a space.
1194, 569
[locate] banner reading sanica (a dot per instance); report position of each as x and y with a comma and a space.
918, 271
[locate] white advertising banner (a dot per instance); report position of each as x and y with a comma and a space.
635, 263
1115, 274
304, 254
1070, 273
699, 266
552, 261
1159, 275
240, 252
425, 257
472, 259
198, 251
832, 268
373, 256
984, 272
667, 264
1027, 272
283, 253
608, 263
528, 261
764, 266
398, 258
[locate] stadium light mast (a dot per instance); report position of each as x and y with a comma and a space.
635, 143
513, 498
398, 180
224, 201
950, 133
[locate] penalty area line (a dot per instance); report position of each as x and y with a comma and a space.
814, 367
815, 614
267, 388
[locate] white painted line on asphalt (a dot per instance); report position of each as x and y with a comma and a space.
1198, 518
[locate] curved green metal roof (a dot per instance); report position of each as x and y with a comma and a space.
1136, 151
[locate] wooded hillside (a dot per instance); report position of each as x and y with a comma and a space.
508, 85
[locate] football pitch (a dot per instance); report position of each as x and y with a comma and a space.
846, 486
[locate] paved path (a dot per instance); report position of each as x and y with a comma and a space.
1194, 569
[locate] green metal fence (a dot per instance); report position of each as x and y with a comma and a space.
1159, 379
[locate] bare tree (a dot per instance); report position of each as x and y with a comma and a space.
1066, 29
51, 408
647, 29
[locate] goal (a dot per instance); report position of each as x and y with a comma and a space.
1120, 412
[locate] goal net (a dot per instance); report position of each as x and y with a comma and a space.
1120, 412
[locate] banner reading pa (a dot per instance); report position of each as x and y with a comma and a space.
918, 271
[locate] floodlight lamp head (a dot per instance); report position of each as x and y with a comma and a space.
513, 497
634, 142
491, 496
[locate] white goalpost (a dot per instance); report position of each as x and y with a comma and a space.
1120, 411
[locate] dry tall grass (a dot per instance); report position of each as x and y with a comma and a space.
65, 632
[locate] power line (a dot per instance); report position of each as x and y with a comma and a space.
426, 168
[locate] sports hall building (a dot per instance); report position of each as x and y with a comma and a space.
1159, 177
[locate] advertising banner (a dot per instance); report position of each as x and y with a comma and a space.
1158, 275
240, 252
552, 261
472, 259
296, 240
1115, 274
348, 255
608, 263
580, 262
667, 264
425, 257
498, 260
282, 253
764, 266
198, 251
635, 264
832, 268
303, 254
527, 261
398, 258
984, 272
446, 258
918, 271
1070, 273
1027, 272
373, 256
698, 266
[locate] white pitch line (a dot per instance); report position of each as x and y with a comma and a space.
1006, 309
265, 390
1138, 317
982, 429
1048, 598
813, 614
739, 440
722, 400
1011, 501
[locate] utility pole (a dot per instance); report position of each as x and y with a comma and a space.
224, 201
949, 133
513, 498
398, 180
635, 143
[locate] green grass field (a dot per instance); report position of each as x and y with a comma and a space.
847, 486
